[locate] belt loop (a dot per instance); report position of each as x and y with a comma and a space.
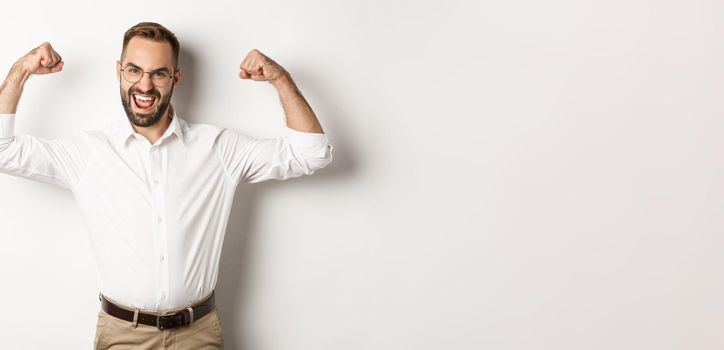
191, 312
135, 318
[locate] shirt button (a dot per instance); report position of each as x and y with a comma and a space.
163, 295
160, 219
163, 258
155, 182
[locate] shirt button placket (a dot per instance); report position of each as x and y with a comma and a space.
157, 194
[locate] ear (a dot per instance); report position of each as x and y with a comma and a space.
177, 77
118, 71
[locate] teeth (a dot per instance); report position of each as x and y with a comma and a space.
144, 98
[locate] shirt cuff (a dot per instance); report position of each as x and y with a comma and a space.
7, 125
311, 143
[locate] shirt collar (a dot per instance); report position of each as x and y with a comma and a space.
123, 130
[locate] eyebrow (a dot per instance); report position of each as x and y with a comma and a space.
164, 69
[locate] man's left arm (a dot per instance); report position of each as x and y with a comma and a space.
304, 148
299, 115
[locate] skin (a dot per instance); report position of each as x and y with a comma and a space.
150, 55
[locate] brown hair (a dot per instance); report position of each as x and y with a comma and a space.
152, 31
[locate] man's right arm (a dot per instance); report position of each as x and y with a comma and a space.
58, 161
11, 89
40, 60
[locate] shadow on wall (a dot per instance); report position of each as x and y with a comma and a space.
183, 95
237, 256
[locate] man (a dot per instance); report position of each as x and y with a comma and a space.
155, 191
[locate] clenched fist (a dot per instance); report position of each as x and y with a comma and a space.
41, 60
257, 66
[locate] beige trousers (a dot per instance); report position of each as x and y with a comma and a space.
115, 334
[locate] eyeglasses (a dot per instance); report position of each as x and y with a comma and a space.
134, 74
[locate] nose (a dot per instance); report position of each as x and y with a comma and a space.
145, 83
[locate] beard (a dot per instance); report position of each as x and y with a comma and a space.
147, 119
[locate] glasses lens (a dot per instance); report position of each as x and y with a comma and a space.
132, 74
160, 78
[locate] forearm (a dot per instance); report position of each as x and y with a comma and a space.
299, 115
12, 88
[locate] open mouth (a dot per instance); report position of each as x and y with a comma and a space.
144, 102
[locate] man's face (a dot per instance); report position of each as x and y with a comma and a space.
144, 102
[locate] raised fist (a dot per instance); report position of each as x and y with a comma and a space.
259, 67
42, 60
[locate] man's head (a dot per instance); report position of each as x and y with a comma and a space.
150, 52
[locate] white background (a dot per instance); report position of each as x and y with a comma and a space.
511, 174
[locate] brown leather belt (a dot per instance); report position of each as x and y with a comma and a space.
178, 319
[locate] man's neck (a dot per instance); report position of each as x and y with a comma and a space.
154, 132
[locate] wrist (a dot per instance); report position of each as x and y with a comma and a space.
283, 79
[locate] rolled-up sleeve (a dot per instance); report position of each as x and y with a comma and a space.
7, 125
254, 160
56, 161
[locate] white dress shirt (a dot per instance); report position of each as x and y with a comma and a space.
156, 214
